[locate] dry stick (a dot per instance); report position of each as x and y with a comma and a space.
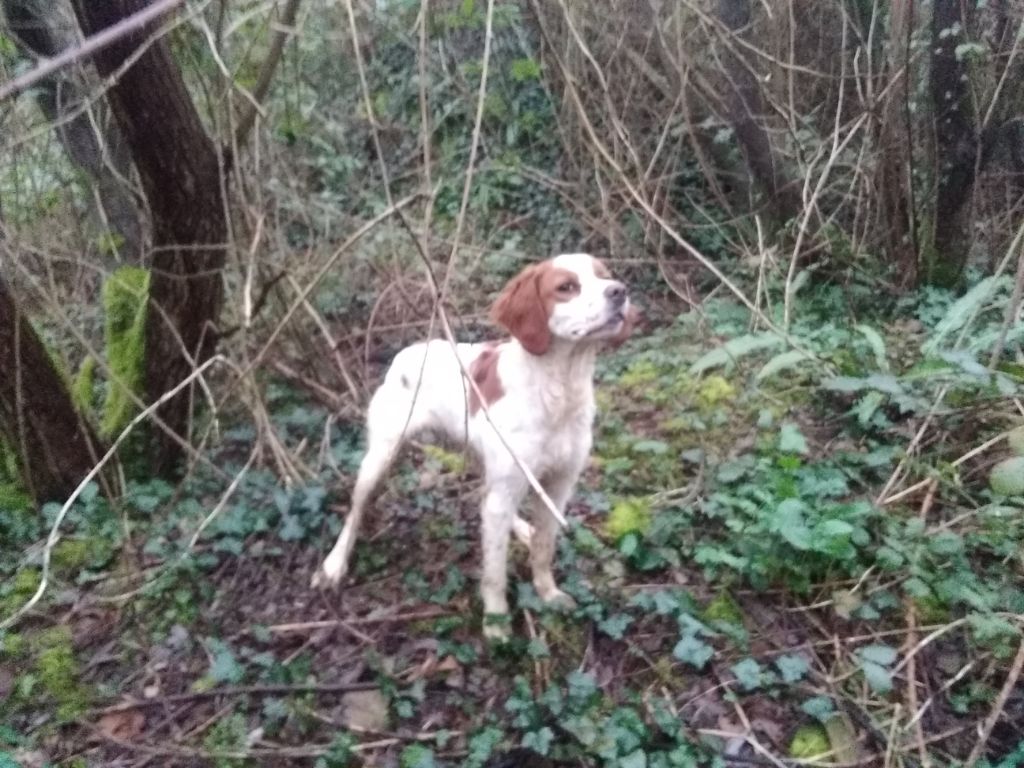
1012, 309
896, 476
955, 463
912, 639
284, 30
311, 626
54, 537
997, 708
322, 272
242, 690
44, 128
367, 101
1002, 78
314, 750
88, 47
473, 147
945, 687
811, 204
235, 482
332, 344
635, 193
214, 513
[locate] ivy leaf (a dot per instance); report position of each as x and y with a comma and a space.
637, 759
748, 674
734, 349
819, 707
877, 345
693, 651
581, 685
791, 439
539, 741
788, 521
291, 528
792, 667
282, 500
656, 447
782, 362
615, 626
878, 654
417, 756
878, 677
224, 668
481, 745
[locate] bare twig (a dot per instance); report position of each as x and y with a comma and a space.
88, 47
285, 27
54, 537
997, 708
242, 690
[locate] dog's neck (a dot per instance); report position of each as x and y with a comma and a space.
565, 371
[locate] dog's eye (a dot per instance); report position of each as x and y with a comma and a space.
567, 287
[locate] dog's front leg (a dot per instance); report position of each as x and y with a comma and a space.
545, 536
499, 510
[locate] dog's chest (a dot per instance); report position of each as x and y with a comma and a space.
563, 435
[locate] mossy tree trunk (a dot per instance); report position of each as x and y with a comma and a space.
53, 445
180, 169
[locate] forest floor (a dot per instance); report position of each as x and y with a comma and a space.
752, 589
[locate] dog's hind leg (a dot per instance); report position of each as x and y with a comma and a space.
522, 530
387, 429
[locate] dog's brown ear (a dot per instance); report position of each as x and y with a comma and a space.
520, 310
630, 320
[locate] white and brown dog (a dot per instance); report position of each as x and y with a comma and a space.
538, 391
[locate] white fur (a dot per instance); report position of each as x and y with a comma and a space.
545, 416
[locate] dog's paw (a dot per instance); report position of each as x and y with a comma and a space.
497, 627
328, 576
557, 600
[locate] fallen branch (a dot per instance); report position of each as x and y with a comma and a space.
242, 690
997, 708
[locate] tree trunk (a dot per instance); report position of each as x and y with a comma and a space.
180, 170
54, 446
45, 28
746, 113
956, 143
894, 140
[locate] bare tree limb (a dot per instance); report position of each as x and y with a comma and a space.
90, 46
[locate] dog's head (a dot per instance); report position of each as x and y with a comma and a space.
571, 297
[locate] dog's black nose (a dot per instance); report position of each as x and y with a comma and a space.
616, 293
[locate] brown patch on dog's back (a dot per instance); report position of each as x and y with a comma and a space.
484, 371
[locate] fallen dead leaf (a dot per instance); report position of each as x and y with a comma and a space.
122, 726
365, 710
